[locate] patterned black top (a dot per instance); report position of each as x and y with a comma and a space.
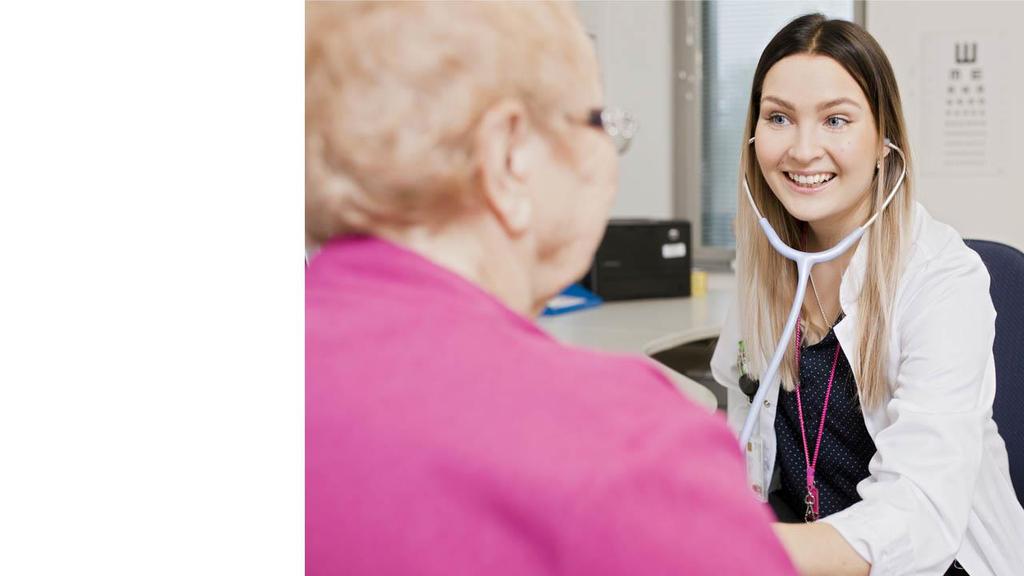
846, 446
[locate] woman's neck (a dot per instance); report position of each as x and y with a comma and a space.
822, 305
474, 251
827, 232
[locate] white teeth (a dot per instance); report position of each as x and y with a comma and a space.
810, 180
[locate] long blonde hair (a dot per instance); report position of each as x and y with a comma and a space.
767, 280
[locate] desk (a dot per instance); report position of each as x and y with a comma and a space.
650, 326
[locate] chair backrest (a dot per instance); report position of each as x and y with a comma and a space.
1006, 268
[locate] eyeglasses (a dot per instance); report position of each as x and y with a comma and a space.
619, 125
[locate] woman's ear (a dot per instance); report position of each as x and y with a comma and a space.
883, 153
503, 161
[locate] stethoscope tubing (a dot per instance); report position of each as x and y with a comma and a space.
805, 261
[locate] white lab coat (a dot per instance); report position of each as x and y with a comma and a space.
939, 485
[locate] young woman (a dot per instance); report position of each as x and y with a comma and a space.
882, 426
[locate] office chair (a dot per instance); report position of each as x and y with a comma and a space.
1006, 268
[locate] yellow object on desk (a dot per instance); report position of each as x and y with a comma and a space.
698, 283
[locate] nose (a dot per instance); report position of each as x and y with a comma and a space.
806, 148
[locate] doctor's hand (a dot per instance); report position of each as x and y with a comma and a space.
818, 548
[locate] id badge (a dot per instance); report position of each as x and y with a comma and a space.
754, 452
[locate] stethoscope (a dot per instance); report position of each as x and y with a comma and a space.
805, 261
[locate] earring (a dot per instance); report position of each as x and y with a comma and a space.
878, 165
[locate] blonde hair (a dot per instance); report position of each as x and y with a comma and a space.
394, 90
767, 280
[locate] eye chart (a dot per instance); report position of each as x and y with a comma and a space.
965, 104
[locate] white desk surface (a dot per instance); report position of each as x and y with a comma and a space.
650, 326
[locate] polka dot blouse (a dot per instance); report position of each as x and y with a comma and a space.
846, 446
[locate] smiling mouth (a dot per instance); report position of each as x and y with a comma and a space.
810, 181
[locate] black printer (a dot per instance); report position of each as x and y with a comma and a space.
642, 259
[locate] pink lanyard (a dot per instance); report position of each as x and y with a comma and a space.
811, 500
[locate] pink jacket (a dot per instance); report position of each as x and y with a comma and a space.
446, 434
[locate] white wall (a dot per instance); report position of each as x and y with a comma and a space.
985, 201
634, 48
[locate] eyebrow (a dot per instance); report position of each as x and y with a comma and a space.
822, 106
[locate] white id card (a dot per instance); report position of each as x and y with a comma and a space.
754, 453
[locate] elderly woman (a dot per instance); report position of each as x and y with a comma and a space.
459, 173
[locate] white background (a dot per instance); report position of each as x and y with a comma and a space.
151, 324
